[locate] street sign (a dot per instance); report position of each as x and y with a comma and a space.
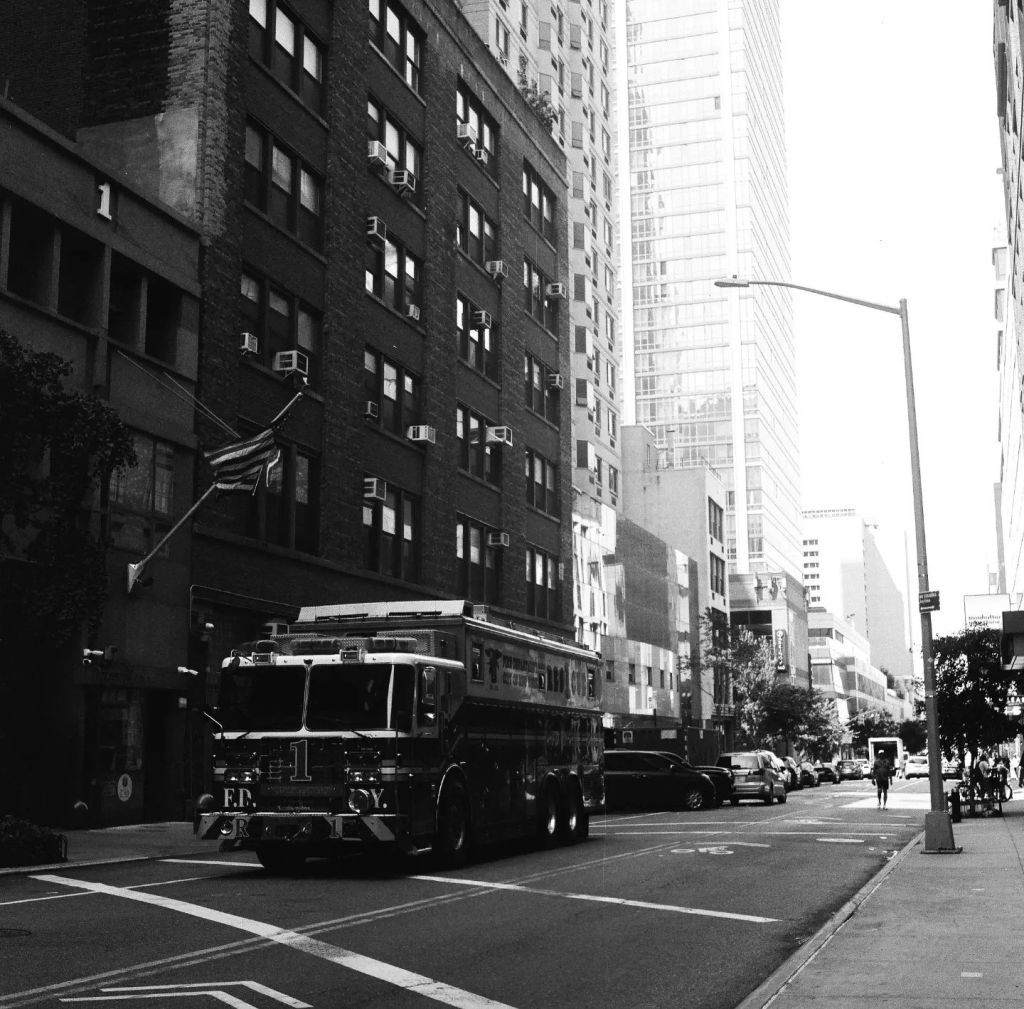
928, 601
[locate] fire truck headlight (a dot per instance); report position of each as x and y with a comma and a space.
205, 803
360, 801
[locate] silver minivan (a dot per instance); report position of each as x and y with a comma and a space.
755, 776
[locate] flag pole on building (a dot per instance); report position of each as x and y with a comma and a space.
238, 466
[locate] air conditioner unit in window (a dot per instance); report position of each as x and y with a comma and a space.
556, 381
374, 487
497, 268
466, 133
377, 153
376, 230
371, 411
498, 539
482, 319
249, 343
481, 155
288, 361
555, 290
499, 436
412, 312
421, 432
403, 181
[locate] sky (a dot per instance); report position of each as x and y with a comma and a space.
893, 153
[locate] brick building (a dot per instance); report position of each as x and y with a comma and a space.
356, 180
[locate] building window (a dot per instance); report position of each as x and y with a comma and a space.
475, 233
282, 186
399, 39
479, 345
278, 320
478, 455
279, 40
402, 151
542, 391
717, 569
478, 571
285, 508
539, 204
716, 520
141, 499
543, 585
469, 110
393, 391
394, 275
542, 306
542, 483
391, 531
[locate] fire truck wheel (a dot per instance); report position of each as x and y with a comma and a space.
549, 817
280, 858
575, 822
451, 843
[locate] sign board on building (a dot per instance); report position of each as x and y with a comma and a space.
928, 601
781, 651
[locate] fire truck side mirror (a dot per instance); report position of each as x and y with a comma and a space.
428, 695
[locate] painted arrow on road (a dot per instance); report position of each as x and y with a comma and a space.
211, 988
720, 849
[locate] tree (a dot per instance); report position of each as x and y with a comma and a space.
537, 100
57, 447
971, 692
914, 734
868, 723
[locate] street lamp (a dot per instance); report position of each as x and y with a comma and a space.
938, 823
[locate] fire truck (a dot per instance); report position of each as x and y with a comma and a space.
423, 726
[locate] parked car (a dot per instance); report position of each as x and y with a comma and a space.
849, 770
826, 772
917, 766
756, 775
808, 775
865, 769
720, 777
793, 777
647, 779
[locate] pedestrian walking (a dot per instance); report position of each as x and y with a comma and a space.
903, 767
881, 772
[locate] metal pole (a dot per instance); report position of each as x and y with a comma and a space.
938, 823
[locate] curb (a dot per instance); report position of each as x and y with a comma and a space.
769, 989
26, 870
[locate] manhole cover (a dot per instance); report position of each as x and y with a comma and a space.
12, 933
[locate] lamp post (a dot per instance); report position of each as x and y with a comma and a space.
938, 823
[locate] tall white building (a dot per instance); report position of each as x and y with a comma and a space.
703, 170
845, 572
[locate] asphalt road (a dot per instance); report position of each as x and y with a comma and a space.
656, 909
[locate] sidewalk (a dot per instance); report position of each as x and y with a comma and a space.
926, 931
135, 842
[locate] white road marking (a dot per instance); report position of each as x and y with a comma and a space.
209, 861
251, 985
621, 901
85, 893
840, 840
389, 973
220, 996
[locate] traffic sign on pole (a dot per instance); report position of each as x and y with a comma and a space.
928, 601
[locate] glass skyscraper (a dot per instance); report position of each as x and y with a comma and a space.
703, 152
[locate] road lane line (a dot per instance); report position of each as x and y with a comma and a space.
377, 969
621, 901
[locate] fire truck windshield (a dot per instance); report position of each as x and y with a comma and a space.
262, 698
360, 697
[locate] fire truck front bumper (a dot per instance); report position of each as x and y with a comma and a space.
299, 828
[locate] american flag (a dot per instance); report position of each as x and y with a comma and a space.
240, 465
